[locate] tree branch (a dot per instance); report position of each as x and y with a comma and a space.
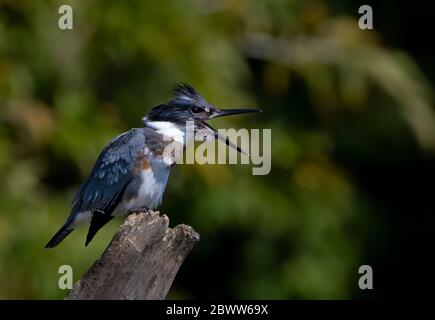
140, 262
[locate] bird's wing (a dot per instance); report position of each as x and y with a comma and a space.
112, 172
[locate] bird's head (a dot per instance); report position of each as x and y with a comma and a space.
189, 105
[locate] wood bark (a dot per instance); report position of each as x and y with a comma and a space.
140, 262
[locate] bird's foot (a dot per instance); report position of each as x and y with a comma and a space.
139, 210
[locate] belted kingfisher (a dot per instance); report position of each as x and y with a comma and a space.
131, 173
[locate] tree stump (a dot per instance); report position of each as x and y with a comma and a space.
140, 262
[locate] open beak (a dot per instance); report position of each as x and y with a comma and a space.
225, 140
227, 112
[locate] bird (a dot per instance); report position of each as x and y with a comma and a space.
131, 173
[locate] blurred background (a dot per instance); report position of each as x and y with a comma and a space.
353, 140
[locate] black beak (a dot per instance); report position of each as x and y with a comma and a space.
229, 112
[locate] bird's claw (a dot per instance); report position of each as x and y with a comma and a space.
139, 210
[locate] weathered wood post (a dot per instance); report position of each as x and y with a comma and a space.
140, 262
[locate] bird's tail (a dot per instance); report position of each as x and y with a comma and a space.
59, 236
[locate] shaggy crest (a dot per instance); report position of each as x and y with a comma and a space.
185, 91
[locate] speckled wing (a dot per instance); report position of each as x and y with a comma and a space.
111, 174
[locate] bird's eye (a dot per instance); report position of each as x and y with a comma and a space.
197, 109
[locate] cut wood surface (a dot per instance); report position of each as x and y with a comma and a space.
140, 262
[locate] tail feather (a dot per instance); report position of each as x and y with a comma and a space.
97, 222
59, 236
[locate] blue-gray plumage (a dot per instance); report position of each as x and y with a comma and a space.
132, 170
